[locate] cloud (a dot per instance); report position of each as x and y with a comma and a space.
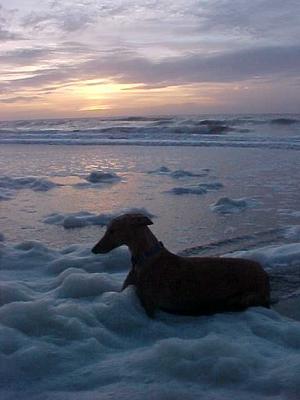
183, 19
155, 44
267, 19
128, 67
19, 99
71, 16
68, 20
25, 56
5, 33
198, 68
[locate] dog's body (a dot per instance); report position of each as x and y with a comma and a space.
184, 285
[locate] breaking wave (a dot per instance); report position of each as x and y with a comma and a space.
252, 131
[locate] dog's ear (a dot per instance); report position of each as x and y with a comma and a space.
140, 220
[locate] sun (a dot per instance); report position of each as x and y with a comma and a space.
101, 89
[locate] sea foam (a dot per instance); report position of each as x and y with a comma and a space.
28, 182
68, 332
102, 177
85, 218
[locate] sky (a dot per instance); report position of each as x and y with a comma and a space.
89, 58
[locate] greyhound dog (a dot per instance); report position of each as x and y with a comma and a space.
183, 285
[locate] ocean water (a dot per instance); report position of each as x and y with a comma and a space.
212, 186
275, 131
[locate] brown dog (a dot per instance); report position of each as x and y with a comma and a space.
183, 285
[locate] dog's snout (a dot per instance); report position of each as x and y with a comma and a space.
103, 246
95, 250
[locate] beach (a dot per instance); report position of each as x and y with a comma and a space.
225, 187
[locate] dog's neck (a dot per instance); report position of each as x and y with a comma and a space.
144, 245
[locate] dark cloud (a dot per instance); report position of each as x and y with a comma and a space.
196, 68
267, 19
263, 63
25, 56
6, 35
68, 52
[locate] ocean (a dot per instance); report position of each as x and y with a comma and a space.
213, 185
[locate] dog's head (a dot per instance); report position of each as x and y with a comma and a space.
121, 231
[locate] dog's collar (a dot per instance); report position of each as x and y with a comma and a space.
147, 254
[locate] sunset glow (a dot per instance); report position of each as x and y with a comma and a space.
76, 57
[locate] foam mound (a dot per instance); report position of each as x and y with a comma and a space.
67, 332
163, 170
226, 205
181, 173
29, 182
178, 173
77, 220
179, 191
83, 218
211, 186
102, 177
6, 194
201, 188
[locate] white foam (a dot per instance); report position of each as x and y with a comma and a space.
66, 332
292, 232
81, 284
77, 220
226, 205
85, 218
275, 256
187, 190
102, 177
178, 173
211, 185
163, 170
181, 173
27, 182
12, 292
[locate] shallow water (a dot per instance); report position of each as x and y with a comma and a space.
266, 179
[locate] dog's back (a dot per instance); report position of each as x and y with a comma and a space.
202, 285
